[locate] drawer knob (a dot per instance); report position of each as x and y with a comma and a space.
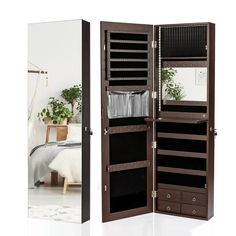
168, 195
194, 212
194, 199
168, 208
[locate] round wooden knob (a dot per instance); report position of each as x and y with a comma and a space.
194, 212
168, 208
194, 199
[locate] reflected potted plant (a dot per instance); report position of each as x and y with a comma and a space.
72, 96
45, 116
57, 111
173, 90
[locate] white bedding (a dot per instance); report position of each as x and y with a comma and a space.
68, 164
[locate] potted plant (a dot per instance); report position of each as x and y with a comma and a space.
73, 95
45, 115
60, 113
174, 90
57, 111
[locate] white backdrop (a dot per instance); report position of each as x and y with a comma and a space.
13, 52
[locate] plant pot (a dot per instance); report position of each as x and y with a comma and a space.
63, 121
47, 120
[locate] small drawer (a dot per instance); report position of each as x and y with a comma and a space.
193, 210
168, 206
169, 195
194, 198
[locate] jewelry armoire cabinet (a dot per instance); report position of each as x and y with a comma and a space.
157, 138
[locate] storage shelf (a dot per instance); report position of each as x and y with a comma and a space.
128, 50
180, 153
127, 60
128, 41
183, 58
184, 103
181, 188
178, 120
181, 136
128, 166
128, 129
129, 69
181, 171
128, 78
128, 88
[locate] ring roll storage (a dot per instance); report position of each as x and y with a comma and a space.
157, 119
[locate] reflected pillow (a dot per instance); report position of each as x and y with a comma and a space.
74, 133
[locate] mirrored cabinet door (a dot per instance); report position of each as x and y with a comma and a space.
59, 121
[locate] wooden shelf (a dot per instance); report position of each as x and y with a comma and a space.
128, 50
183, 58
178, 120
181, 153
181, 171
184, 103
182, 188
128, 166
129, 69
127, 41
127, 88
127, 60
127, 78
181, 136
128, 129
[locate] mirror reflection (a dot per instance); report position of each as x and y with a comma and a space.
55, 120
184, 83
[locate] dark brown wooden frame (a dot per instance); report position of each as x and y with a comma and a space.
86, 130
163, 116
106, 26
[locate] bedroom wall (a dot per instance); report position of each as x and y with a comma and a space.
56, 48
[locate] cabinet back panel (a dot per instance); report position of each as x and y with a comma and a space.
182, 145
128, 147
128, 189
181, 162
200, 129
181, 179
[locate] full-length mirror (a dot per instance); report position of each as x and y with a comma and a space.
184, 83
59, 120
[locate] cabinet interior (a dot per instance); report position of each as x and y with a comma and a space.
156, 148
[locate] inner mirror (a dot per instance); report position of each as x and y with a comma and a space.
58, 120
184, 83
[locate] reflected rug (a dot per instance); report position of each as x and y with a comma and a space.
55, 212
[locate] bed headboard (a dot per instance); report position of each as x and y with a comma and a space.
61, 132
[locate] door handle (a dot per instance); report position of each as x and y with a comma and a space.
88, 130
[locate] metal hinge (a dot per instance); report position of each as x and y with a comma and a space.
154, 144
104, 47
105, 131
105, 188
205, 185
154, 94
154, 44
154, 194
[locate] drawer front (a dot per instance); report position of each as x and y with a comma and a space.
168, 206
193, 210
194, 198
169, 195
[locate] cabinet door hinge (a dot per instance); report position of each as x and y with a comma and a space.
154, 194
104, 47
154, 44
105, 131
154, 144
154, 94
